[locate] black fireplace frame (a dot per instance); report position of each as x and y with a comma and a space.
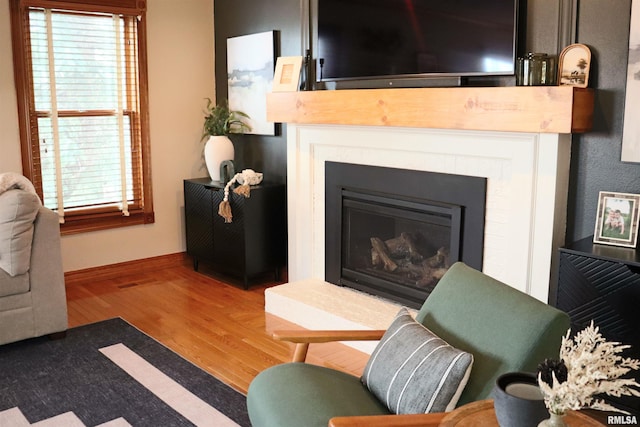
408, 187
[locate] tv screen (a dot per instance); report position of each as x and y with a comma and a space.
366, 39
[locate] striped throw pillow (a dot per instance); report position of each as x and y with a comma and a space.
413, 371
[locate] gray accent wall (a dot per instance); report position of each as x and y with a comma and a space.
603, 25
232, 18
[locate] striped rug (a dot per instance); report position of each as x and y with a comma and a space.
110, 374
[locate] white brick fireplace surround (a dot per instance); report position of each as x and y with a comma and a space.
527, 183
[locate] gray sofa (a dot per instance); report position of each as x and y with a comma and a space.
32, 291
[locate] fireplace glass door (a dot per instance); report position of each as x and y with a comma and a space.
397, 247
394, 232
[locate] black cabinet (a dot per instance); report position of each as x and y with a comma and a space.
602, 283
254, 243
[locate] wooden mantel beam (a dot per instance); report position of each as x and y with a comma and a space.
546, 109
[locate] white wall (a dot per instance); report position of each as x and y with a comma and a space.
181, 74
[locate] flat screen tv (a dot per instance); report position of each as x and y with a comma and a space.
394, 40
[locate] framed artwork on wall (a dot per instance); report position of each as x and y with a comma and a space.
631, 130
250, 66
617, 219
573, 65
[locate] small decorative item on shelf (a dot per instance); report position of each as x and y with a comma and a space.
220, 121
588, 366
617, 219
287, 74
246, 179
536, 69
574, 64
227, 171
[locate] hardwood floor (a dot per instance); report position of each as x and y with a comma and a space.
216, 325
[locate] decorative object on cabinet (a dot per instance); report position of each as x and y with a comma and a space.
250, 60
217, 149
617, 219
574, 64
287, 75
246, 179
602, 283
220, 121
254, 243
631, 130
227, 171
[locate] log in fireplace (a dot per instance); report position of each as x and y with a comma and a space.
394, 232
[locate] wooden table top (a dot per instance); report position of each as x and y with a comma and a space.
481, 414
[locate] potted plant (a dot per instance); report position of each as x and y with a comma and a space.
220, 121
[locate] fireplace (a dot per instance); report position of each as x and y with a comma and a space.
517, 138
526, 176
394, 232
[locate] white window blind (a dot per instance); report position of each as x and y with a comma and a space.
85, 87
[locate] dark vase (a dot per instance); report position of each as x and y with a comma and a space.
518, 401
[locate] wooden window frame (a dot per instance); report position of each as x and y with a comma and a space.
90, 219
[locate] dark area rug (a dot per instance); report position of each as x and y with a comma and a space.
45, 378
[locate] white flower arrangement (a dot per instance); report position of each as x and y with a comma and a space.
588, 366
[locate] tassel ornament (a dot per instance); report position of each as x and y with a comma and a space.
243, 190
224, 210
247, 178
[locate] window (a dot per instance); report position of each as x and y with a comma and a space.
81, 79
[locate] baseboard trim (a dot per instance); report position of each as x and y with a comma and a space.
111, 271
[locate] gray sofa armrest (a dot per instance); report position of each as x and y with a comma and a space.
47, 275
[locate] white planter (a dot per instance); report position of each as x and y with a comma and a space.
217, 149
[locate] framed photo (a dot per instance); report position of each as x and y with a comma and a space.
287, 74
250, 62
573, 65
617, 219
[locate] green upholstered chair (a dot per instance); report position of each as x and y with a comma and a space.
505, 330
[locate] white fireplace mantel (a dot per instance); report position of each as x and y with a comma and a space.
517, 138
